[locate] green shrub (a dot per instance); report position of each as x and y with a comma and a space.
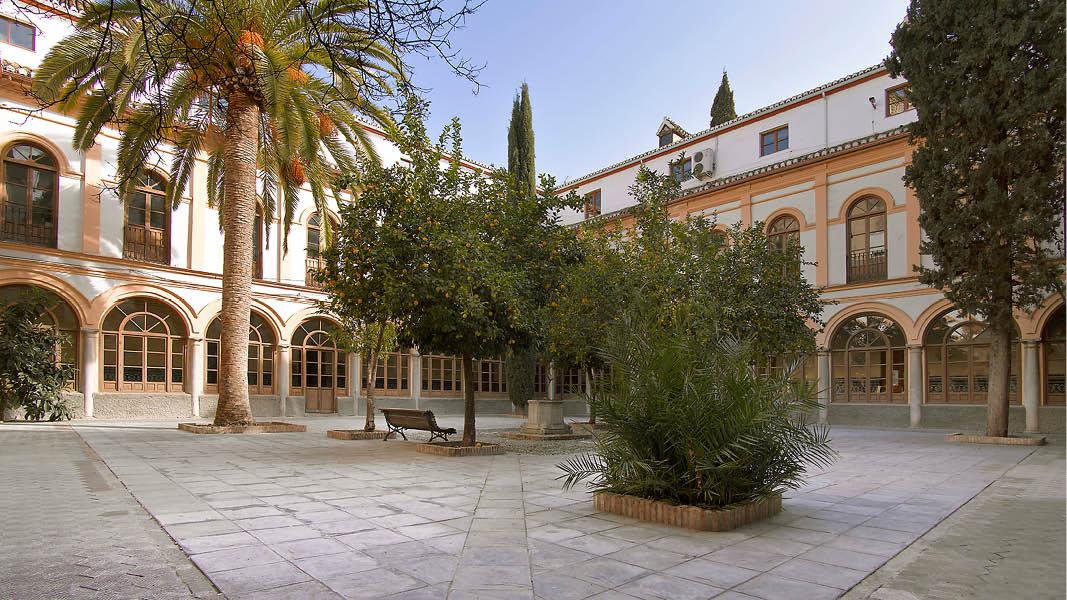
31, 377
693, 424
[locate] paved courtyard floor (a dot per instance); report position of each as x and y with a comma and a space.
304, 516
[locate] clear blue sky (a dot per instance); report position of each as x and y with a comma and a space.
602, 74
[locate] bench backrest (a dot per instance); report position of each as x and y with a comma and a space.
411, 418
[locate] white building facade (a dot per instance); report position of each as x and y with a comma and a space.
137, 287
826, 168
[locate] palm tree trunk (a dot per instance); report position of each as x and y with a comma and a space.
468, 400
241, 148
372, 373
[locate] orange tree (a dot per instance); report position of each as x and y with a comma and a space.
443, 251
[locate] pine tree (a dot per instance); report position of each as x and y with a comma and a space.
988, 84
722, 108
522, 364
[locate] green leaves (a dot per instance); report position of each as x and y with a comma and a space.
30, 377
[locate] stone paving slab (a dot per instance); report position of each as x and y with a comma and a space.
367, 519
69, 529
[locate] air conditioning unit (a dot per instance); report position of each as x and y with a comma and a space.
703, 163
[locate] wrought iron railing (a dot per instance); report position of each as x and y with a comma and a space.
19, 225
313, 265
866, 265
148, 245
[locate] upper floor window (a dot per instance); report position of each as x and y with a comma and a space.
257, 245
867, 240
316, 247
17, 34
774, 140
682, 169
31, 178
148, 222
592, 204
897, 101
782, 232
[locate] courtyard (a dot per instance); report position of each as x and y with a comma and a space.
139, 509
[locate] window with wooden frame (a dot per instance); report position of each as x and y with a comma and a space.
31, 181
317, 362
774, 140
147, 235
18, 33
257, 244
316, 247
592, 204
144, 347
782, 232
60, 317
491, 377
682, 169
866, 230
261, 346
441, 374
391, 374
897, 101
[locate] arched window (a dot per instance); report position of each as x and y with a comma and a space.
957, 361
867, 361
60, 317
318, 365
144, 347
1054, 342
261, 346
31, 181
148, 222
782, 232
867, 240
257, 244
316, 246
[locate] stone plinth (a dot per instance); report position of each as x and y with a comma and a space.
992, 439
690, 517
545, 418
269, 427
356, 434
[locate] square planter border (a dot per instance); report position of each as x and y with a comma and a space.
689, 517
356, 434
264, 427
966, 438
454, 449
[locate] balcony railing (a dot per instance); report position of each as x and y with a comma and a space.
148, 245
312, 265
19, 226
866, 265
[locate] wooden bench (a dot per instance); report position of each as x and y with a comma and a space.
400, 419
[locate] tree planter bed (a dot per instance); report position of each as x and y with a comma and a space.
690, 517
355, 434
520, 435
265, 427
455, 449
992, 439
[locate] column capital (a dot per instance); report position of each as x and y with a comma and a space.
822, 351
1031, 343
284, 346
90, 330
915, 346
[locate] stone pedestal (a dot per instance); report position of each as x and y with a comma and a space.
1031, 384
545, 417
915, 385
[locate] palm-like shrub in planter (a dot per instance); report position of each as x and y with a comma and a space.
695, 425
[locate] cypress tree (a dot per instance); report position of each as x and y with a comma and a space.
522, 364
521, 143
987, 80
722, 108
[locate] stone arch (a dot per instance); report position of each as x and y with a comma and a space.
213, 308
786, 211
77, 301
105, 301
862, 193
822, 339
62, 162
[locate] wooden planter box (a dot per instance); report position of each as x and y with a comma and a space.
356, 434
266, 427
690, 517
992, 439
455, 449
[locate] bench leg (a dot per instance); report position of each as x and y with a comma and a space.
393, 430
438, 436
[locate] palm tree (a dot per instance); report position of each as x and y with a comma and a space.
265, 90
